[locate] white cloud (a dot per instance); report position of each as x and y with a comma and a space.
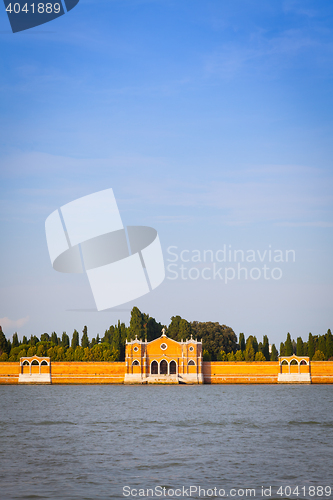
13, 323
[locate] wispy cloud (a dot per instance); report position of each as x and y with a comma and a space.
13, 323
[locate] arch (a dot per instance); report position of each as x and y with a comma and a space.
25, 362
163, 367
303, 362
154, 368
191, 363
44, 362
172, 367
35, 362
284, 362
135, 363
294, 362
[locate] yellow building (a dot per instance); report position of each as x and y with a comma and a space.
163, 360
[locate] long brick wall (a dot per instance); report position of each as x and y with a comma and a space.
215, 372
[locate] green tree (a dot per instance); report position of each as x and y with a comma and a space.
33, 340
282, 349
15, 342
274, 354
288, 346
265, 350
206, 356
184, 330
249, 351
65, 341
222, 356
31, 351
4, 347
54, 338
259, 356
136, 327
239, 356
318, 356
231, 356
45, 337
329, 344
215, 337
173, 328
85, 339
69, 354
24, 340
321, 344
75, 340
40, 351
299, 347
241, 342
311, 346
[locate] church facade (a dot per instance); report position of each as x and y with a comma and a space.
163, 360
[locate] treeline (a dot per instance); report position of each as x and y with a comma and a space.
318, 347
219, 342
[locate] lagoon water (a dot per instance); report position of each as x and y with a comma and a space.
88, 442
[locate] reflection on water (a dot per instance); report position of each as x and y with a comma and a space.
87, 442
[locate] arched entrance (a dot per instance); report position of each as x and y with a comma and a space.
163, 367
173, 368
154, 368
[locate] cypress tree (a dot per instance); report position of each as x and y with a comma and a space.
85, 339
329, 344
54, 338
299, 347
24, 340
241, 342
65, 341
136, 327
311, 346
75, 340
249, 351
274, 353
321, 345
15, 342
3, 343
288, 346
265, 350
282, 349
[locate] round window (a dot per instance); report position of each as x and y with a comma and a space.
163, 346
135, 349
191, 348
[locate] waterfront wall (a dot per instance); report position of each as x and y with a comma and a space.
215, 372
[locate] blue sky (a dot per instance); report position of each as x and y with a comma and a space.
211, 121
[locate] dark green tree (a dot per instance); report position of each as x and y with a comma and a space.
282, 349
98, 339
249, 351
65, 341
4, 347
329, 344
321, 344
33, 340
173, 328
24, 340
15, 342
299, 347
288, 346
75, 340
185, 330
215, 337
241, 342
274, 354
311, 346
45, 337
265, 350
85, 339
136, 327
54, 338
